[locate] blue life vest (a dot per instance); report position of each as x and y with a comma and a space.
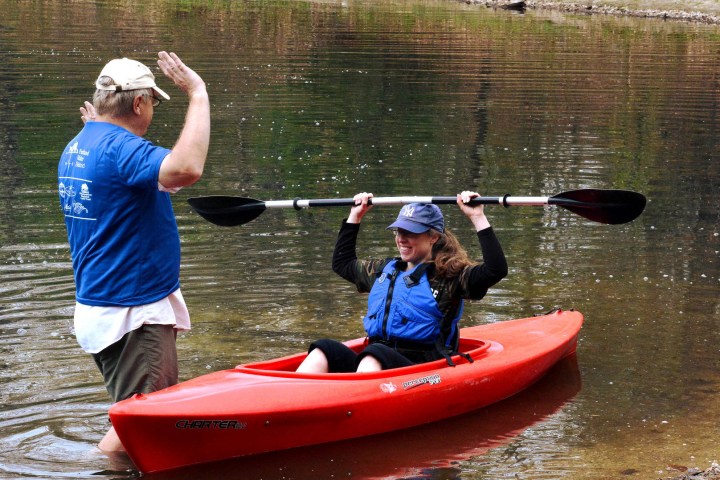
402, 306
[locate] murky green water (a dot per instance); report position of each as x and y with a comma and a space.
325, 99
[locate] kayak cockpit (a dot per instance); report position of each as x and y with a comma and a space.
286, 366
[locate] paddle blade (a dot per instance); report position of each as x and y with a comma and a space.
603, 206
227, 211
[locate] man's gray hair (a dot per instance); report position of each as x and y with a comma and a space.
116, 104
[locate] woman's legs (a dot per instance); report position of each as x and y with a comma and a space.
332, 356
328, 356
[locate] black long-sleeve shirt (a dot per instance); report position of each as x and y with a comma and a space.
472, 283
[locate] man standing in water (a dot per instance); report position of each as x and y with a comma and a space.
114, 192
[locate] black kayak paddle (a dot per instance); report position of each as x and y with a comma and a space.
603, 206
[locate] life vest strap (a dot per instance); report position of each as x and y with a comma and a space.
447, 353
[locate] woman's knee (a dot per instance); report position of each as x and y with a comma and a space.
315, 362
385, 356
369, 364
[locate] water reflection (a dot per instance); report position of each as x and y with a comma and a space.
324, 99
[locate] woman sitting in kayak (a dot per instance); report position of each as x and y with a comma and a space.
415, 300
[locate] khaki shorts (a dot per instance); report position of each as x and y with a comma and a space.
143, 361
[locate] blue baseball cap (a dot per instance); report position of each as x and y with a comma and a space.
419, 218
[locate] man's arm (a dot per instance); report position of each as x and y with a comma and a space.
184, 165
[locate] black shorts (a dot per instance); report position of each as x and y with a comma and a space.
142, 361
342, 359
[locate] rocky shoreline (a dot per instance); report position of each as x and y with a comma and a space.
712, 473
593, 7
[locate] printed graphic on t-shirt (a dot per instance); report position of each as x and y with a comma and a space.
75, 200
75, 193
76, 156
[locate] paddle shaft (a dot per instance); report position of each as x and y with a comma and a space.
339, 202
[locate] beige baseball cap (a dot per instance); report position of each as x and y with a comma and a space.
128, 74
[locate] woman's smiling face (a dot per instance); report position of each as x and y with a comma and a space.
414, 248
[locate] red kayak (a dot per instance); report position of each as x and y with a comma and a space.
417, 452
267, 406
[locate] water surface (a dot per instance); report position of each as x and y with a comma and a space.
325, 99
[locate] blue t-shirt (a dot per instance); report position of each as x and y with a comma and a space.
123, 236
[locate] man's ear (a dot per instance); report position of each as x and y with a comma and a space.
137, 104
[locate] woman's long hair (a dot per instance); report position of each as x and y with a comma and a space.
449, 256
